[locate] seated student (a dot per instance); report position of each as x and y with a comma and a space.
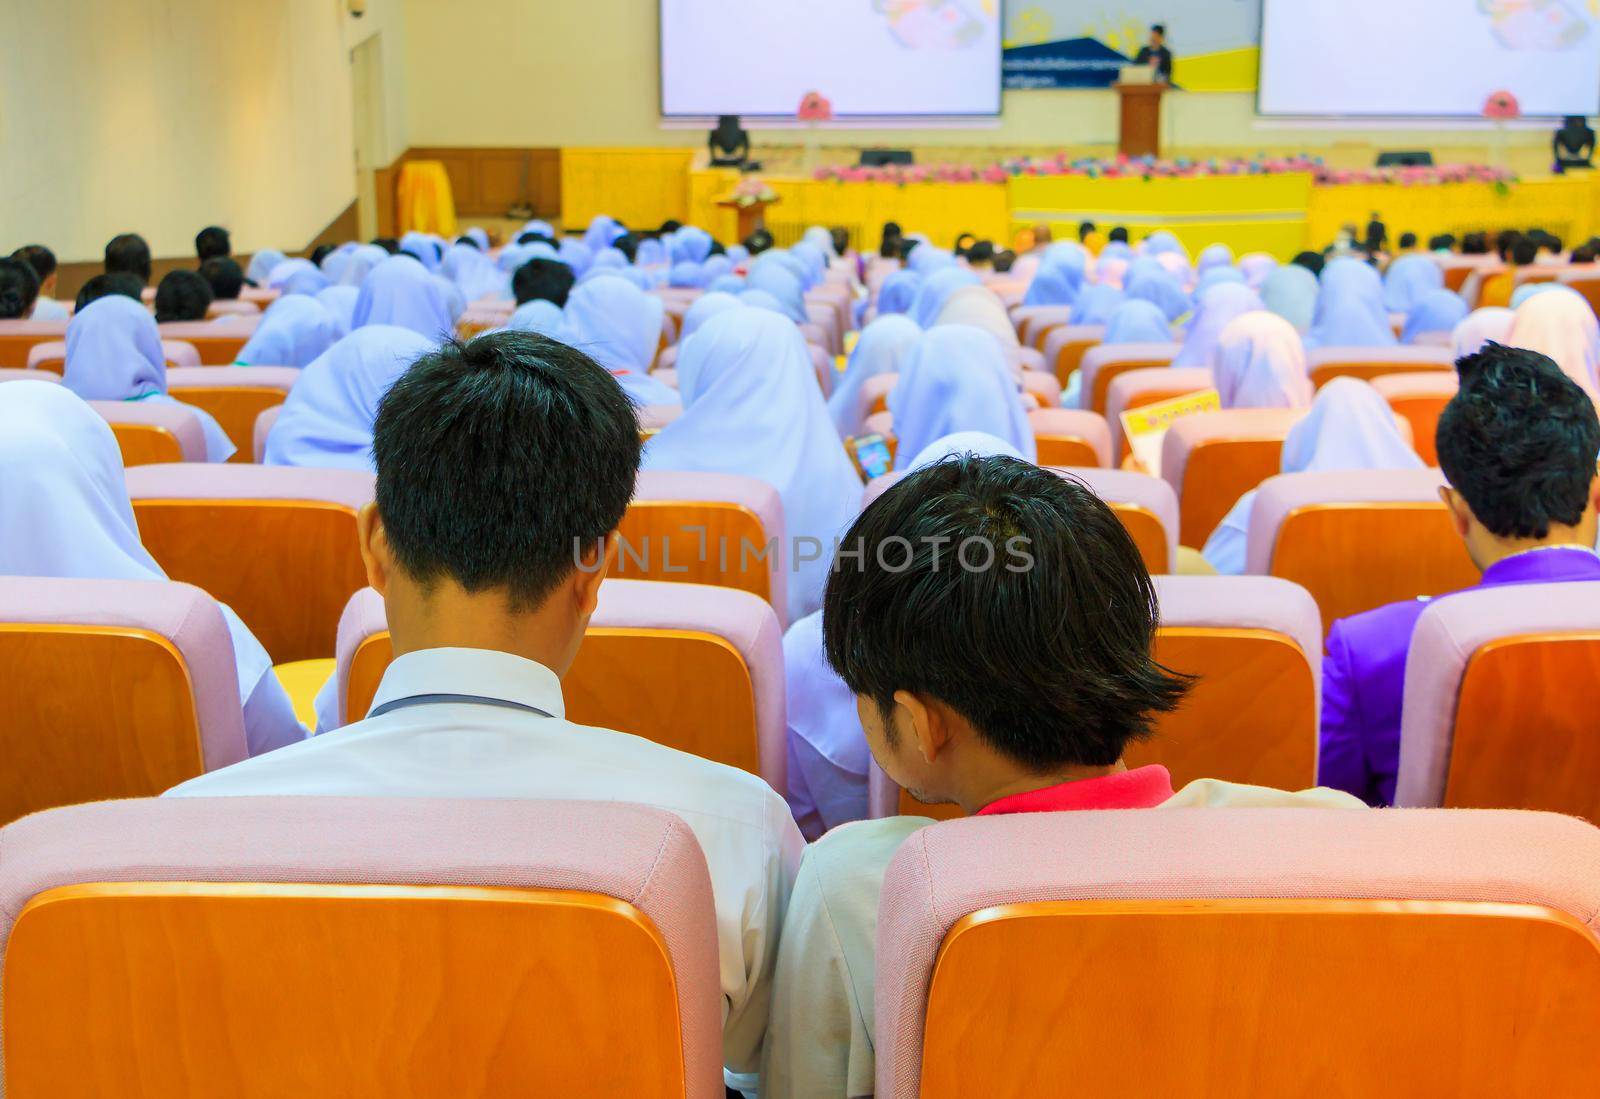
1443, 244
1518, 251
129, 254
43, 262
107, 286
213, 242
182, 296
1408, 242
1518, 446
64, 512
225, 277
1007, 677
543, 280
19, 289
487, 603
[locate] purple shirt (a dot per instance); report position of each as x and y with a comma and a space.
1364, 675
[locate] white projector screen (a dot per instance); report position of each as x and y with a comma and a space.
868, 57
1428, 57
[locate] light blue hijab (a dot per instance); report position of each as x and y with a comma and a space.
1435, 311
1152, 284
1215, 256
751, 406
601, 232
1350, 308
706, 307
936, 290
898, 292
1214, 310
327, 421
114, 354
956, 379
883, 346
726, 284
576, 254
686, 275
361, 263
400, 291
1058, 280
309, 282
423, 247
262, 263
1291, 292
1408, 279
294, 330
543, 317
619, 325
1137, 321
474, 273
785, 288
1096, 304
1216, 276
340, 302
689, 244
650, 253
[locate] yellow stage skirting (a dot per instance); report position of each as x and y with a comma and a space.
1280, 214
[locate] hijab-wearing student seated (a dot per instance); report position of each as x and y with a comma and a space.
487, 602
1002, 663
64, 512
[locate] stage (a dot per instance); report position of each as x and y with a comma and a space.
1277, 213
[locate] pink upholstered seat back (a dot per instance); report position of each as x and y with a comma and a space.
231, 307
263, 428
1133, 389
1192, 432
1072, 423
643, 857
1286, 493
1245, 603
281, 378
1450, 633
1099, 358
20, 374
177, 420
344, 487
946, 872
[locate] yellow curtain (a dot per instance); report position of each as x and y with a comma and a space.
424, 200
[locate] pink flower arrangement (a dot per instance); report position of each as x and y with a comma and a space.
1150, 168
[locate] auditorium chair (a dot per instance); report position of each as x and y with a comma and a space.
115, 689
478, 319
1587, 283
1254, 644
1103, 365
1029, 320
231, 307
22, 374
235, 396
18, 338
262, 296
654, 417
277, 544
1214, 458
151, 432
359, 947
1146, 506
1137, 388
1497, 714
1066, 345
706, 528
1370, 363
1061, 436
218, 344
693, 667
1240, 952
263, 428
1420, 399
1358, 540
52, 356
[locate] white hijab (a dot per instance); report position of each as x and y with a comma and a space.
1560, 324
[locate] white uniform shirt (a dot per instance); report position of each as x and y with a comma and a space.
444, 740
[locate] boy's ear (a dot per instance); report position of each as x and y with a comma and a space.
928, 724
374, 545
593, 563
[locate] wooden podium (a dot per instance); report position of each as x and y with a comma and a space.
752, 216
1141, 119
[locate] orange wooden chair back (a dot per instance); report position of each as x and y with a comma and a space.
1590, 289
219, 350
1355, 557
1456, 277
1422, 412
1100, 397
1145, 397
287, 567
1251, 716
683, 688
361, 991
146, 444
1514, 687
103, 712
1070, 357
235, 408
695, 542
1324, 373
1145, 528
1219, 472
1323, 997
14, 347
1065, 450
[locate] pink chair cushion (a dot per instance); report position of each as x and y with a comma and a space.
1075, 423
879, 423
1120, 486
822, 363
654, 417
261, 295
178, 419
179, 353
351, 488
666, 377
1433, 339
748, 492
1190, 432
231, 307
263, 428
745, 621
1125, 390
241, 377
17, 374
1432, 383
33, 328
1028, 358
666, 360
1065, 334
1246, 603
1098, 358
947, 871
1420, 356
1035, 316
1041, 387
53, 352
184, 615
1450, 631
239, 325
645, 857
1278, 496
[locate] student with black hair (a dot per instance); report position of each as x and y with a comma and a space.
1518, 446
104, 286
1408, 242
543, 280
320, 253
889, 243
1475, 244
488, 593
224, 276
759, 241
1118, 235
213, 242
43, 262
19, 289
388, 244
1444, 243
1311, 261
628, 245
129, 254
994, 621
182, 296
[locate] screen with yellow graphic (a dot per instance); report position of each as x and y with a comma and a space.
872, 58
1429, 57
